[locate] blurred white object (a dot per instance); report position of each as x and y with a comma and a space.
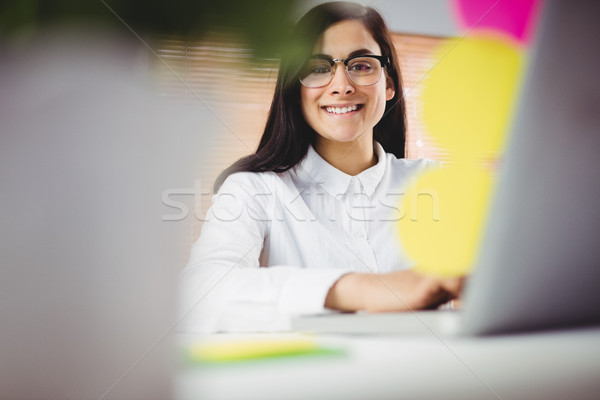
87, 264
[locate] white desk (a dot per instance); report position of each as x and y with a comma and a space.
549, 365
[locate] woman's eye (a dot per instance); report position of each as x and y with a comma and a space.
362, 67
321, 69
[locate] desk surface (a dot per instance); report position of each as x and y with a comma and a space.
548, 365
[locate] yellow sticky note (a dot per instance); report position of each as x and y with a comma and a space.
445, 211
230, 351
468, 96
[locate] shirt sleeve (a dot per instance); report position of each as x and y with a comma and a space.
223, 287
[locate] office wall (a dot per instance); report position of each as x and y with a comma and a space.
431, 17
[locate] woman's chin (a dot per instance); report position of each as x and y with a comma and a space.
344, 137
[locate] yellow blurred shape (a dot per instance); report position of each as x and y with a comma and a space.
468, 96
445, 211
251, 349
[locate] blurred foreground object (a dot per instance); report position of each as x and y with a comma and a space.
468, 102
263, 25
87, 263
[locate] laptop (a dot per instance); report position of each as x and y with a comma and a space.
539, 264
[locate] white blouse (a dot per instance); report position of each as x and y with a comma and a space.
273, 244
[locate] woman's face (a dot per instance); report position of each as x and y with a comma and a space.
338, 42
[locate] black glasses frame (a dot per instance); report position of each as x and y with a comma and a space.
384, 61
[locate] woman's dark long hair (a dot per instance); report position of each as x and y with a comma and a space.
286, 137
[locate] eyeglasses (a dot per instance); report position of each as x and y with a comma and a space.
362, 70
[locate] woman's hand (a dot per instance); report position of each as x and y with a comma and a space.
394, 291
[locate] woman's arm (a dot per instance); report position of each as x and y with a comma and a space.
395, 291
223, 287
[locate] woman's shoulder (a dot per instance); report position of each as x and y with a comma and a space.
406, 165
402, 171
251, 182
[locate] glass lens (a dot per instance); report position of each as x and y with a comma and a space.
316, 73
364, 71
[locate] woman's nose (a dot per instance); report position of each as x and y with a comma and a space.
340, 83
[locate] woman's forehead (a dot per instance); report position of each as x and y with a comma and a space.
345, 37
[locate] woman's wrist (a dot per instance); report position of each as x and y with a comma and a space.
347, 293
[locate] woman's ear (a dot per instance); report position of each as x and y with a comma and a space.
390, 89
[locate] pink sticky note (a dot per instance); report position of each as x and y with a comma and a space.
515, 18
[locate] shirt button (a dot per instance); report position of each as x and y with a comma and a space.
361, 235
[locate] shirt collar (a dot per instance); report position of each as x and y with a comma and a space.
371, 177
336, 182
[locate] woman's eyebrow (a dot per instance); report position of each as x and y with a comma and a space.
359, 52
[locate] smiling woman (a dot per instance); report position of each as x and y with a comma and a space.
307, 222
221, 71
343, 111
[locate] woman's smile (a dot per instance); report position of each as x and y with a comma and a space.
342, 110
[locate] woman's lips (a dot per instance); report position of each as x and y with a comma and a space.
342, 110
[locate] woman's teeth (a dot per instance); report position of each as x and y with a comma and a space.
342, 110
